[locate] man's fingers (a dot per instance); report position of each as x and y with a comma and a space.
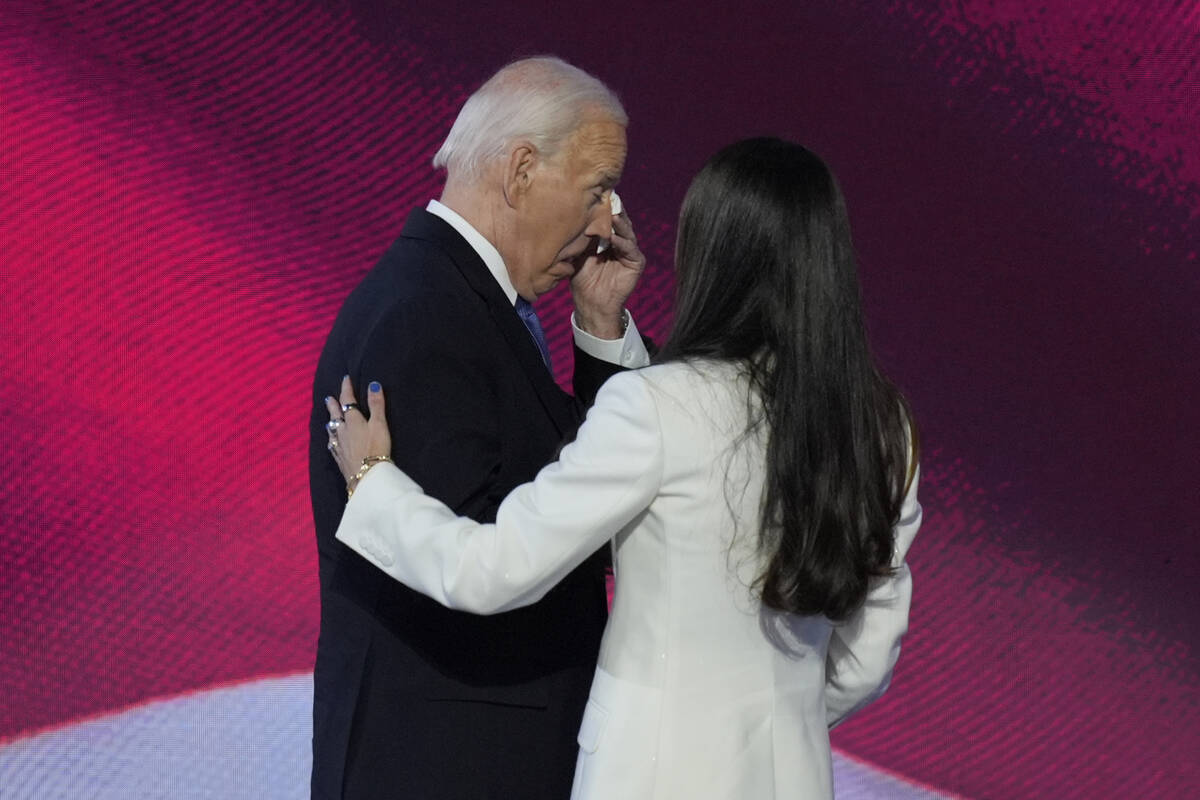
626, 250
623, 226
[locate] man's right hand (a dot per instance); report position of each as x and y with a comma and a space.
605, 280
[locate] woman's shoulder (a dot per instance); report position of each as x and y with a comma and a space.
656, 377
683, 385
694, 374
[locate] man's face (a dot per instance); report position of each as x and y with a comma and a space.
567, 207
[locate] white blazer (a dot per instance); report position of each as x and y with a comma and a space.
700, 692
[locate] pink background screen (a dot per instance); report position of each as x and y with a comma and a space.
188, 190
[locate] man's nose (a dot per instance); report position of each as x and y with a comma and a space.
600, 223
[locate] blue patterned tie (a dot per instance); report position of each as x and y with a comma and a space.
529, 317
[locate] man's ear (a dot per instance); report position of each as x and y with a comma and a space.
518, 173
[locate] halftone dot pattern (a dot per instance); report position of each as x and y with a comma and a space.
1024, 675
246, 740
249, 740
189, 190
1118, 61
177, 258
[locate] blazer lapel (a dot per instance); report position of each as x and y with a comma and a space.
423, 225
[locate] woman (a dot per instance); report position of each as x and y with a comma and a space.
759, 487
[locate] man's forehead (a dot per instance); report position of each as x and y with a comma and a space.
600, 146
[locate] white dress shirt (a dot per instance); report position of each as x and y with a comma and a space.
629, 351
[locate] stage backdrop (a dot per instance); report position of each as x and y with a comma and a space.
188, 190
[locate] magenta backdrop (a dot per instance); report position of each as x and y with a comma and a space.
188, 190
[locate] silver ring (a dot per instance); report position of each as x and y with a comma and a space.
333, 445
333, 425
347, 406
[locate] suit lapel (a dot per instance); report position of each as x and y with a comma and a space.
423, 225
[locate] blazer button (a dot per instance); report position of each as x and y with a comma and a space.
381, 555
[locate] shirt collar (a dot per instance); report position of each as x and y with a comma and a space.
485, 249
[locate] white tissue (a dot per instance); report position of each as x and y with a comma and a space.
614, 203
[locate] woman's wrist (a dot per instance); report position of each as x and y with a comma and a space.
365, 467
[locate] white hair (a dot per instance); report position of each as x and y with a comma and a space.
542, 100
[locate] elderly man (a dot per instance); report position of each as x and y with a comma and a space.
412, 700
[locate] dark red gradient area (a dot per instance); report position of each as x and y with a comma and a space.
176, 259
1019, 680
189, 190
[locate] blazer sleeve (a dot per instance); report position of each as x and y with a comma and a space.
543, 529
864, 649
590, 374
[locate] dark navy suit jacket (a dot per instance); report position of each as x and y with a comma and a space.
412, 700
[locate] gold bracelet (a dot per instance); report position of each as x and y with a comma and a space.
367, 463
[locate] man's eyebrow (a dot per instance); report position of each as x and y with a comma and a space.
608, 179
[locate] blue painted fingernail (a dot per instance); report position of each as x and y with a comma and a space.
345, 377
328, 398
375, 387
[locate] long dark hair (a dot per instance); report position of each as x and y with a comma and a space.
766, 277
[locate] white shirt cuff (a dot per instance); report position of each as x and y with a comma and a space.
629, 351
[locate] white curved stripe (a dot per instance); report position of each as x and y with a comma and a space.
249, 741
246, 741
858, 780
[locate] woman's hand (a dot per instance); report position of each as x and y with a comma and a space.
353, 437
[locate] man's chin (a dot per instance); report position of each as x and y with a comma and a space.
562, 271
551, 285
